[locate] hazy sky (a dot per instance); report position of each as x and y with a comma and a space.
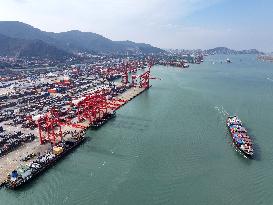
164, 23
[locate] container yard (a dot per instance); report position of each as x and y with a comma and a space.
44, 114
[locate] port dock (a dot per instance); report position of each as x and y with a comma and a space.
12, 160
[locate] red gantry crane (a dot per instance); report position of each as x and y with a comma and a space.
92, 107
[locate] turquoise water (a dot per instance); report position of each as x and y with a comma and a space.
170, 144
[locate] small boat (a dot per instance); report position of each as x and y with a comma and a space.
228, 60
239, 136
186, 65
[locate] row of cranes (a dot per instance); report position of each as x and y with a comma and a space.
89, 108
142, 80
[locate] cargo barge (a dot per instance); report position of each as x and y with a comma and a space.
25, 174
239, 136
97, 124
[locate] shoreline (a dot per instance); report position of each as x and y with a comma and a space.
12, 160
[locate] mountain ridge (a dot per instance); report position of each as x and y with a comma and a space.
29, 48
228, 51
74, 41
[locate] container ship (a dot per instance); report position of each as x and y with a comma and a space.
97, 124
24, 174
239, 136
